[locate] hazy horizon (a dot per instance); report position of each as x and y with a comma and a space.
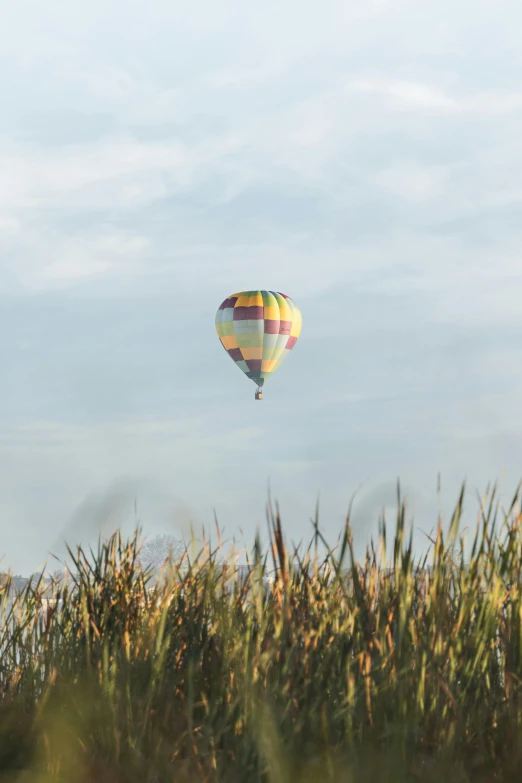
363, 157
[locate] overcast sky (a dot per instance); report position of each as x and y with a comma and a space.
364, 157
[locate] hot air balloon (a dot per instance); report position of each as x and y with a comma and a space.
258, 329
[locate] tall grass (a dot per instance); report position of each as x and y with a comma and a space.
392, 668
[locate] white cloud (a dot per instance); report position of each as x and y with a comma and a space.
44, 259
494, 102
418, 96
404, 94
9, 226
94, 176
414, 183
92, 258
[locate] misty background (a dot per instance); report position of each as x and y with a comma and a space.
363, 157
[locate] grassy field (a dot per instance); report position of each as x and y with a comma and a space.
388, 669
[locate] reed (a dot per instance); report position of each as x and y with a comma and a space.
391, 668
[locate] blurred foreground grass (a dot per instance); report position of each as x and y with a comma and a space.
385, 670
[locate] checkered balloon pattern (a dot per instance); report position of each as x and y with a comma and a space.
258, 329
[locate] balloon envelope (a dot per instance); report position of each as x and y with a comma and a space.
258, 329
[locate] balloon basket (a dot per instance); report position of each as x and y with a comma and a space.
259, 394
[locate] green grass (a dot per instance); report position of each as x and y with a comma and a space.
389, 669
